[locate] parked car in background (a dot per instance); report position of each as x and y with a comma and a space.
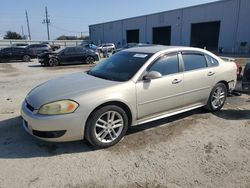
246, 79
39, 48
91, 47
54, 47
132, 87
20, 45
69, 55
129, 45
85, 42
16, 53
107, 47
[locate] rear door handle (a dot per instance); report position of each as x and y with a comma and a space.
210, 73
176, 81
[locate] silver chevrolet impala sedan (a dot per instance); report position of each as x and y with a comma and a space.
132, 87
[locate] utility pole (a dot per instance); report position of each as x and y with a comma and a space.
47, 21
22, 30
28, 25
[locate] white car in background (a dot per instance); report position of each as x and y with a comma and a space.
107, 47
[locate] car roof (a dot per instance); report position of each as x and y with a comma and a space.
13, 47
151, 48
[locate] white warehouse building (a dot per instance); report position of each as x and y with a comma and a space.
221, 25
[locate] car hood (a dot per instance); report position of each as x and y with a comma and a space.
65, 87
46, 53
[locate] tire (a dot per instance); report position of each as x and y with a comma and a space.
217, 98
100, 132
26, 58
53, 62
89, 60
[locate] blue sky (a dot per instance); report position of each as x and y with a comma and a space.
73, 16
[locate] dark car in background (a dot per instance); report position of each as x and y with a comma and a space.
246, 79
69, 55
53, 46
16, 53
39, 48
23, 45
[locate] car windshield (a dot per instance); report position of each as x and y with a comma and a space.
92, 46
120, 67
59, 50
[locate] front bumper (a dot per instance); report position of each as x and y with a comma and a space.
97, 57
54, 128
42, 60
246, 87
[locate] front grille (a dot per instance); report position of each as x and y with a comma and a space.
31, 108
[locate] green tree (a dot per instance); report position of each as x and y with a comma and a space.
12, 35
64, 37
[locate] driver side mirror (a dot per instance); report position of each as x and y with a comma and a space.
152, 75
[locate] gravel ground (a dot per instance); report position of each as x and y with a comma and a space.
194, 149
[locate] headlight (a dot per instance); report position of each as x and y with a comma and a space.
52, 55
58, 107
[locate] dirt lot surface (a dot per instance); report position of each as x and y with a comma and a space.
194, 149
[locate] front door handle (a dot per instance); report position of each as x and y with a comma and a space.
210, 73
176, 81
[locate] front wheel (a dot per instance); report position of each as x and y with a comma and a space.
26, 58
217, 97
90, 60
106, 126
53, 62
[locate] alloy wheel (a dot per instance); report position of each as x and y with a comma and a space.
109, 126
53, 62
90, 60
218, 97
26, 58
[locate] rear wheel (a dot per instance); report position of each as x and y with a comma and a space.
53, 62
217, 97
90, 60
106, 126
26, 58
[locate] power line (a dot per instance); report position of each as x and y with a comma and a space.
70, 31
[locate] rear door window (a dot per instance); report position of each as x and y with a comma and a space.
6, 50
193, 61
69, 51
18, 49
79, 50
211, 61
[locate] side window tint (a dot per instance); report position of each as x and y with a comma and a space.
17, 49
6, 50
211, 61
71, 50
194, 61
79, 50
65, 51
166, 65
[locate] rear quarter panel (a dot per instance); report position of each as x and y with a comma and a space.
227, 71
